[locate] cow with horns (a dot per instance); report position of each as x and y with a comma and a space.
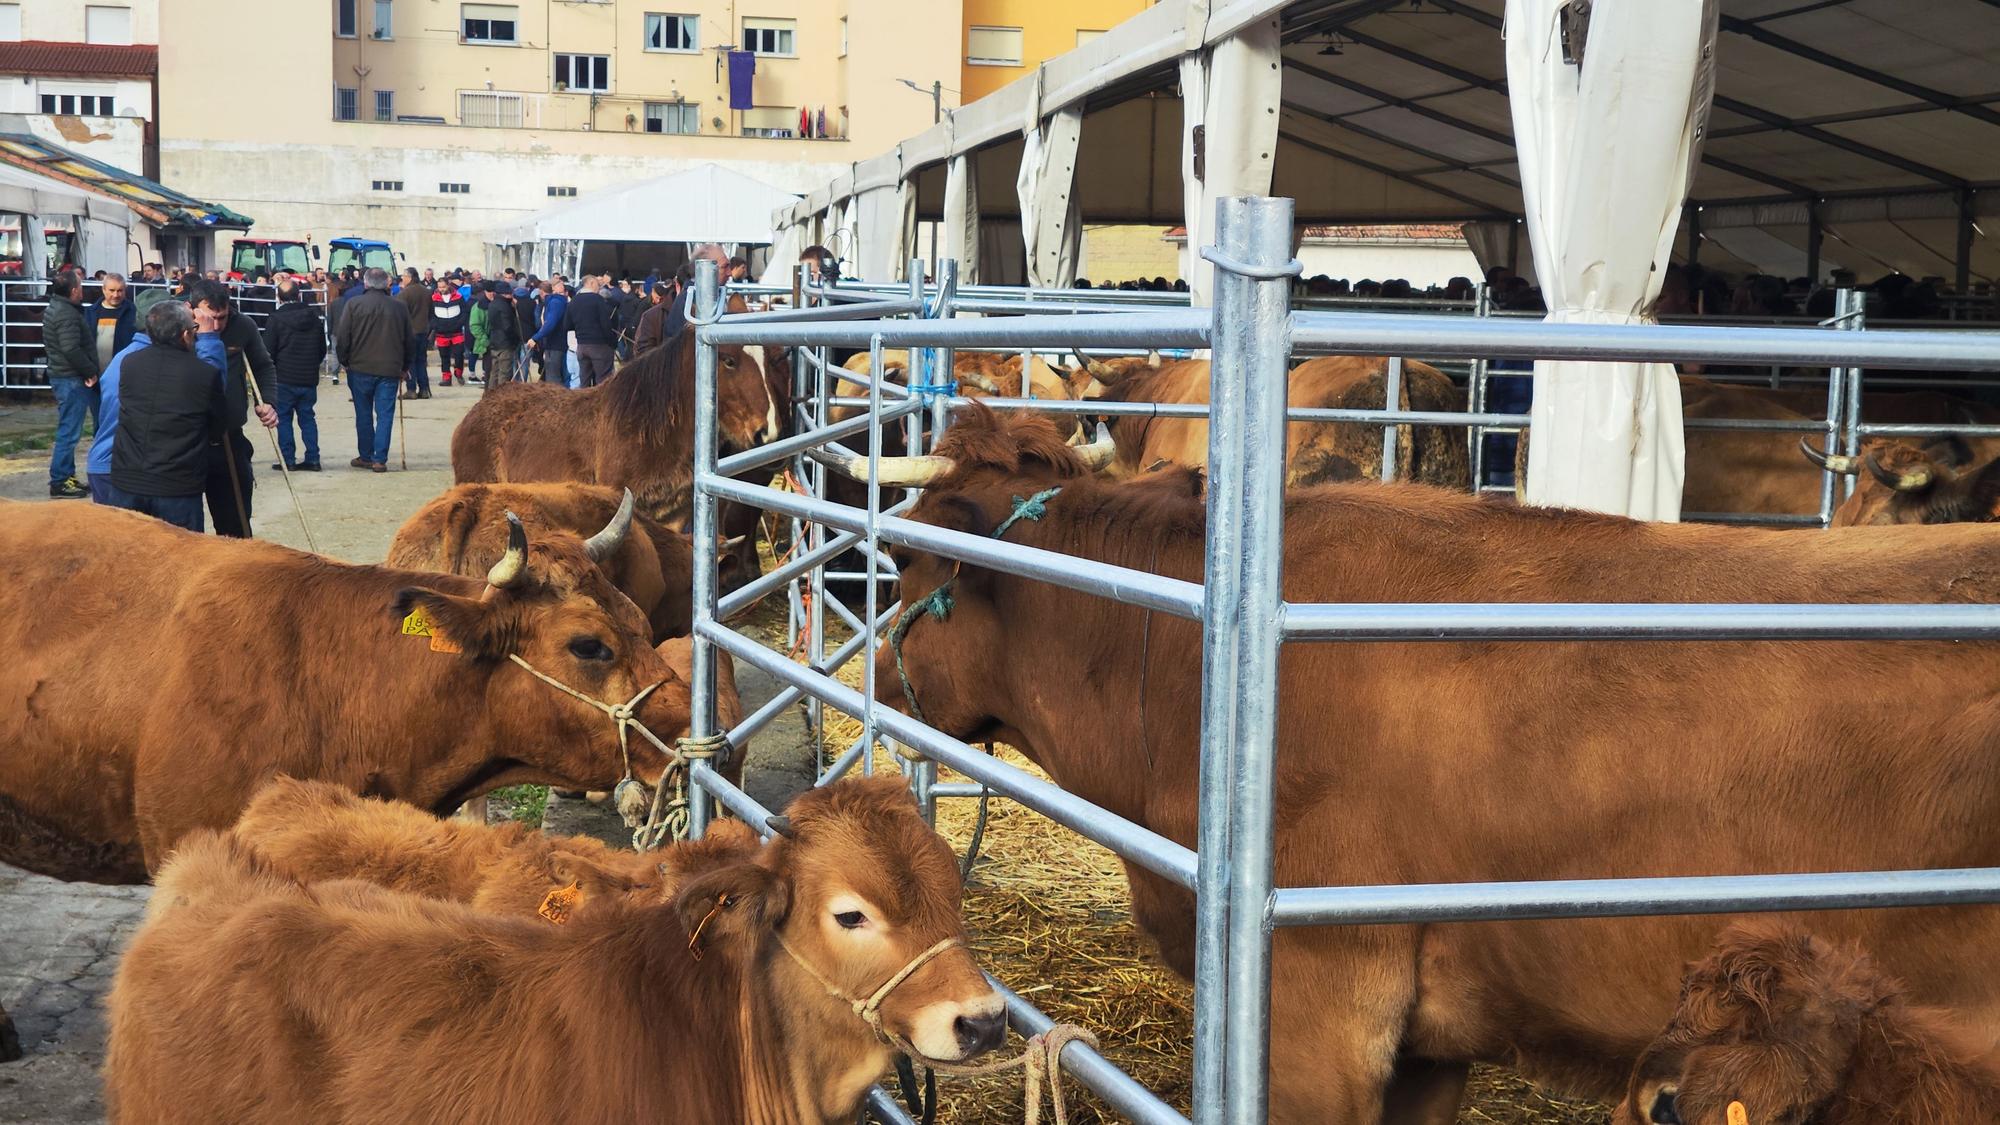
156, 679
769, 989
1585, 759
1937, 482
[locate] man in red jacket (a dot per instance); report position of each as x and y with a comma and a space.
448, 328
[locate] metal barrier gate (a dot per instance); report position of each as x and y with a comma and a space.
1244, 618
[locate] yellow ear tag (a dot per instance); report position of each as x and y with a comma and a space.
1738, 1115
418, 624
560, 903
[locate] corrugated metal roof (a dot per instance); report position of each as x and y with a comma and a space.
79, 60
157, 203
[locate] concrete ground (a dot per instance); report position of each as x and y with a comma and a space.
59, 941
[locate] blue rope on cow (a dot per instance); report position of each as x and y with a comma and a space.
938, 603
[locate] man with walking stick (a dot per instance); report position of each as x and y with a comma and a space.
373, 343
230, 482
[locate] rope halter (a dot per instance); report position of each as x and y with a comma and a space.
625, 716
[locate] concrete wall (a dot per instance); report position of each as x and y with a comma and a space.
117, 141
297, 171
1420, 264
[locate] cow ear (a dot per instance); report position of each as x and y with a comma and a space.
959, 512
732, 904
455, 624
1949, 450
1982, 490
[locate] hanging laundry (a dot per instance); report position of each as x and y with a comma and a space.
742, 66
819, 126
805, 121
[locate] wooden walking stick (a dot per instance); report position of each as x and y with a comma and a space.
402, 433
285, 469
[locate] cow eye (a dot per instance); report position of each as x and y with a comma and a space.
850, 919
1664, 1112
589, 648
729, 362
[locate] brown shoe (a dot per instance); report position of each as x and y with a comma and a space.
360, 463
378, 467
425, 393
406, 394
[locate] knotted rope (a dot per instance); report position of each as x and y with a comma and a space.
1041, 1058
668, 819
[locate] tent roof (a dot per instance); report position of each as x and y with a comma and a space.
29, 193
1397, 111
126, 192
707, 203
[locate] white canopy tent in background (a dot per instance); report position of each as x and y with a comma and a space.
102, 225
707, 203
1609, 104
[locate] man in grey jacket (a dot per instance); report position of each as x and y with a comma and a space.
373, 342
71, 348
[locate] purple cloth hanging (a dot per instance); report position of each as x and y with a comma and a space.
819, 126
742, 66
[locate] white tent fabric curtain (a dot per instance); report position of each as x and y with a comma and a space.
876, 217
784, 256
1229, 135
1500, 242
961, 217
1051, 214
906, 225
1606, 150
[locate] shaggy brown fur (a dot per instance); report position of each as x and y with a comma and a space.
1445, 762
249, 997
635, 430
315, 832
1799, 1031
155, 679
1316, 452
464, 531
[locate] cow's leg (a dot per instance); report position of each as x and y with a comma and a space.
10, 1043
1339, 1006
1423, 1092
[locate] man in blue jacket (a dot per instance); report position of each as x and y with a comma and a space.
552, 339
208, 348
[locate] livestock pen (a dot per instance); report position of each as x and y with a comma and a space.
1244, 619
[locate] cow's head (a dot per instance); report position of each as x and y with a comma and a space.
748, 411
852, 890
1770, 1019
547, 603
1896, 482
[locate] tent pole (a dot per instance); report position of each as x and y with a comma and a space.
1965, 230
1694, 234
1815, 236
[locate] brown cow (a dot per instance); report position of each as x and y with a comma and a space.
248, 997
463, 531
1796, 1030
978, 374
634, 430
155, 679
1316, 452
314, 832
1448, 762
1937, 482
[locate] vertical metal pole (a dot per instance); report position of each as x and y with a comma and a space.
1482, 306
871, 548
1815, 240
1965, 231
943, 358
1241, 625
922, 771
1694, 237
1849, 308
1835, 400
701, 722
1392, 394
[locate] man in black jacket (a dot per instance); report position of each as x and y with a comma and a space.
373, 343
170, 407
503, 335
296, 339
596, 335
230, 481
70, 345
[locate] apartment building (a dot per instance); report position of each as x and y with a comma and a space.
1005, 39
80, 74
435, 123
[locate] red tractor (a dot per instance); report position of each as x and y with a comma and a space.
266, 257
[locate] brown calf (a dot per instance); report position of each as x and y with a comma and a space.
1796, 1030
249, 997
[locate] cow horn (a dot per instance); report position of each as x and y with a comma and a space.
605, 543
733, 542
1916, 480
895, 472
981, 382
1099, 452
782, 825
1831, 462
513, 566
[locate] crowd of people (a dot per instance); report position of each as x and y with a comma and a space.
168, 368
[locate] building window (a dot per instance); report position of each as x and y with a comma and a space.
492, 111
10, 23
667, 32
385, 105
770, 37
1085, 35
344, 18
590, 74
388, 185
771, 121
384, 24
562, 192
106, 24
673, 117
78, 105
490, 23
455, 189
993, 46
346, 103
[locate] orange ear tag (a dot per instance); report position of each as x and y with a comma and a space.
1738, 1115
418, 624
560, 903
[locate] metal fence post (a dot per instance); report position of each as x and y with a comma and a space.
923, 368
701, 722
1241, 629
1849, 311
1482, 307
1392, 397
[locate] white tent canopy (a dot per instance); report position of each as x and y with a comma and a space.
708, 203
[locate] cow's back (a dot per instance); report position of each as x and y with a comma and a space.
525, 432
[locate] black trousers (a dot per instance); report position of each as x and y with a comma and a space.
224, 491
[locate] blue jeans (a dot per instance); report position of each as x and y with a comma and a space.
420, 372
181, 511
73, 399
297, 402
374, 413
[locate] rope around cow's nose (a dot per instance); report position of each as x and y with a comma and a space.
1041, 1058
